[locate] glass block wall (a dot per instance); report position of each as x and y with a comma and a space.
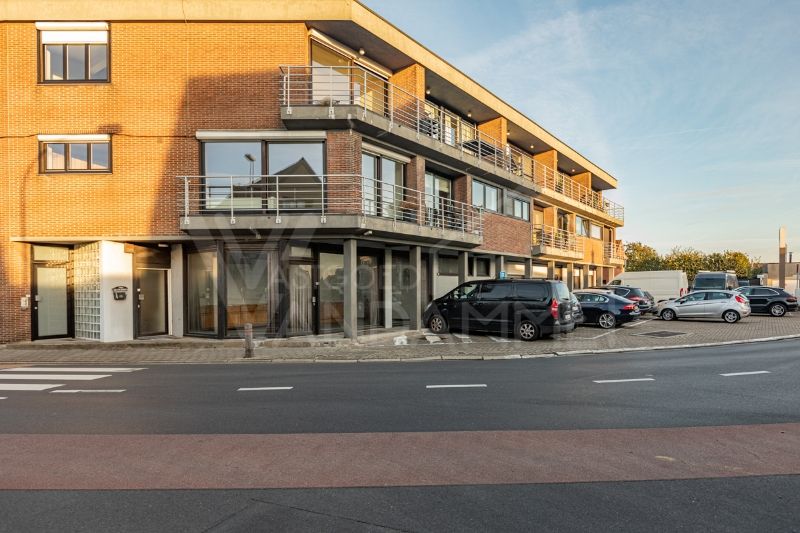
86, 278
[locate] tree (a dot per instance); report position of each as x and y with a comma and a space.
689, 260
639, 257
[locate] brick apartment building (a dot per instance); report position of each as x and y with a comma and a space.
186, 167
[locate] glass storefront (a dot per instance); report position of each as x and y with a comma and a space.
250, 293
403, 286
201, 286
331, 292
368, 292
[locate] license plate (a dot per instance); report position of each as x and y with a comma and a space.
567, 316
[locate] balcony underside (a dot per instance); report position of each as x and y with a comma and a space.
614, 261
332, 225
379, 127
551, 252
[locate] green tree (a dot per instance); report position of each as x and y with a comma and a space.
639, 257
689, 260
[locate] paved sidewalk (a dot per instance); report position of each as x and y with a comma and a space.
417, 346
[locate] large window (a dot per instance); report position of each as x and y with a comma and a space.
583, 226
522, 209
249, 294
74, 52
201, 288
485, 196
382, 186
75, 156
439, 208
298, 169
335, 81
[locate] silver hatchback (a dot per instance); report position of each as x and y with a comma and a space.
730, 306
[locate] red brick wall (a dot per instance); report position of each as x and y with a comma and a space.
344, 157
168, 80
506, 234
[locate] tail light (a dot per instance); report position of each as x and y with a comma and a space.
635, 298
629, 307
554, 308
741, 299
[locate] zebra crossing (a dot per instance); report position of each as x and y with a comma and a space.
55, 379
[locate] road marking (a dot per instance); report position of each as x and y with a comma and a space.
402, 340
29, 386
58, 377
639, 322
745, 373
603, 334
433, 339
3, 397
464, 338
69, 369
244, 389
474, 385
73, 391
500, 339
622, 380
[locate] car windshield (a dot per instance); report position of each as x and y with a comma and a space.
709, 283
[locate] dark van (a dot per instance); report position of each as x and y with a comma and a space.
528, 308
724, 281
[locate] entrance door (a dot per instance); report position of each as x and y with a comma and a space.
51, 301
301, 299
152, 304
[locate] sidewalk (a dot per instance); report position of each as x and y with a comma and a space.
401, 345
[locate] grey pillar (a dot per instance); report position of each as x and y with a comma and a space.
585, 276
500, 265
350, 282
176, 290
551, 270
388, 299
463, 266
570, 275
528, 268
415, 264
433, 272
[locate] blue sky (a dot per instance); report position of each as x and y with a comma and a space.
693, 106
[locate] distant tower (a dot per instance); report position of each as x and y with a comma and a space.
782, 257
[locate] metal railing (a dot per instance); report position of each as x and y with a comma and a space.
614, 251
556, 238
354, 86
324, 195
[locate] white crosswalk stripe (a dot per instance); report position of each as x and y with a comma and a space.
56, 376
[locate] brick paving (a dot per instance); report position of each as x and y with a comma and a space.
418, 346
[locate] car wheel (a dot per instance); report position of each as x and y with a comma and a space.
527, 331
437, 324
607, 321
730, 317
777, 309
668, 314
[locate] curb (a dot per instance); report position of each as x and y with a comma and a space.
675, 347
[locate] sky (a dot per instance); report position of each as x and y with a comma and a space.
694, 106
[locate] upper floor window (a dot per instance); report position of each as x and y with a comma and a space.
582, 226
485, 196
75, 153
522, 209
73, 52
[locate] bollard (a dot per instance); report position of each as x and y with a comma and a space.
248, 340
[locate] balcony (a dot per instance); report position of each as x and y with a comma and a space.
334, 204
614, 253
553, 243
352, 96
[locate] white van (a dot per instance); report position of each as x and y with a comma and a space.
662, 284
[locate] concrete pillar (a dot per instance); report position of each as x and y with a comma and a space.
585, 276
433, 272
551, 270
528, 268
388, 300
463, 266
570, 275
350, 294
415, 264
500, 265
176, 291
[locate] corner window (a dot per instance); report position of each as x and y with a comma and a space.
582, 226
77, 156
522, 209
595, 231
485, 196
73, 52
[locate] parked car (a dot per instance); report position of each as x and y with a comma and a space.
652, 301
577, 310
663, 284
606, 309
634, 294
730, 306
529, 308
770, 300
705, 280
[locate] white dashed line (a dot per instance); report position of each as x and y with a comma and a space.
74, 391
246, 389
56, 377
69, 369
29, 386
745, 373
465, 386
622, 380
3, 398
500, 339
464, 338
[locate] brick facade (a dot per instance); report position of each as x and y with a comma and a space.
506, 234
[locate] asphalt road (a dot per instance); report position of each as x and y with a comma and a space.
703, 439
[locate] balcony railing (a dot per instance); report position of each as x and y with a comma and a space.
354, 86
614, 251
323, 196
556, 238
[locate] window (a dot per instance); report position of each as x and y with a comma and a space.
695, 297
73, 52
522, 209
718, 296
482, 266
595, 231
448, 265
382, 185
763, 292
485, 196
535, 292
465, 292
75, 156
495, 291
582, 226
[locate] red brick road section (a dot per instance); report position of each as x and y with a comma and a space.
394, 459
